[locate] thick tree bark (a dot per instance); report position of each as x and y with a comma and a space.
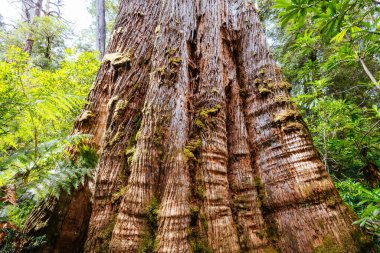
101, 27
201, 148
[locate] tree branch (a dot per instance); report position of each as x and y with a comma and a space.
369, 74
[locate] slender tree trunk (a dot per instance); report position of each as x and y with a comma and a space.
201, 149
27, 7
100, 26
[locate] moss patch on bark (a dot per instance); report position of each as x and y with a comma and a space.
86, 116
285, 115
119, 59
148, 238
106, 235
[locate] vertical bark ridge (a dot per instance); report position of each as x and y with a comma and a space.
221, 231
246, 204
173, 218
295, 183
159, 156
129, 72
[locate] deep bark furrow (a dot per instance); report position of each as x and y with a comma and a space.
252, 235
165, 99
124, 106
221, 231
295, 189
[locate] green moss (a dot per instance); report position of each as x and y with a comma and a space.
259, 188
111, 103
262, 71
205, 113
188, 153
118, 59
268, 80
243, 93
199, 124
332, 201
175, 61
329, 245
120, 105
200, 190
86, 116
281, 99
257, 81
271, 233
161, 70
204, 223
198, 243
116, 138
148, 243
270, 249
292, 127
129, 152
106, 235
136, 86
192, 147
118, 195
169, 72
151, 213
197, 240
286, 115
194, 213
261, 234
196, 237
148, 238
131, 146
172, 51
284, 85
364, 241
138, 134
280, 85
157, 137
263, 90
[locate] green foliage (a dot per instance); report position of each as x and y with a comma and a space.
111, 8
15, 240
319, 47
365, 202
38, 109
341, 131
47, 33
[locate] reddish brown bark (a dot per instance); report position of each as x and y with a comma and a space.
200, 147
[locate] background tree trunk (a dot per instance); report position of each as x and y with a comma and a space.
101, 27
200, 147
31, 10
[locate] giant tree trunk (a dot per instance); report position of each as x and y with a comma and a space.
201, 148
